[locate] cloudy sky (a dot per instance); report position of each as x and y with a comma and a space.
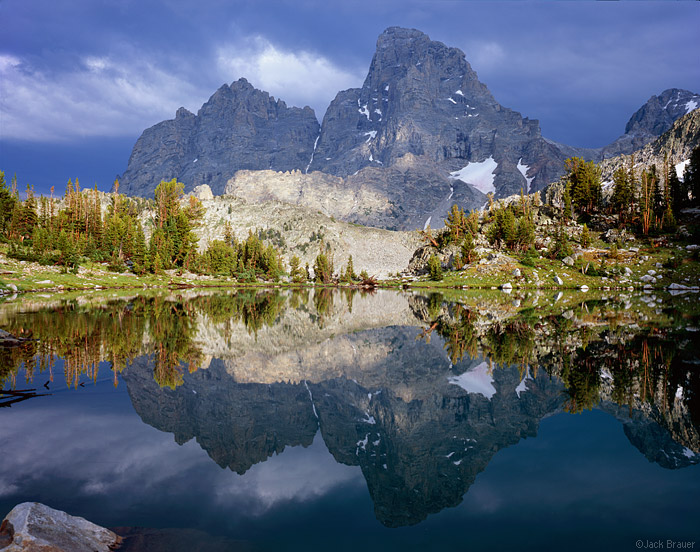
81, 79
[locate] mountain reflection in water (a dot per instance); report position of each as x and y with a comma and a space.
418, 391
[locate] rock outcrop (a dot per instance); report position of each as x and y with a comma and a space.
34, 527
240, 127
304, 232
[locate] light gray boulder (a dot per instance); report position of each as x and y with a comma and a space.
33, 526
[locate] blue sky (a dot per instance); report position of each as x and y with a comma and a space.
81, 79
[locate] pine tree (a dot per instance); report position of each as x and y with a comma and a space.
584, 186
157, 264
7, 206
657, 192
678, 192
510, 232
174, 225
585, 237
295, 271
350, 271
691, 176
525, 233
668, 222
467, 250
435, 268
323, 269
455, 223
139, 254
560, 247
472, 222
623, 195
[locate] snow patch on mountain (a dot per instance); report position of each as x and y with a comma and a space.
363, 110
522, 386
680, 168
523, 170
478, 380
480, 175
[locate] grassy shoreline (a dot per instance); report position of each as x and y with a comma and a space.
669, 265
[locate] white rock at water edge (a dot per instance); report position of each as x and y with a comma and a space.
35, 526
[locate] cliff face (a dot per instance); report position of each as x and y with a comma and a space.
240, 127
422, 98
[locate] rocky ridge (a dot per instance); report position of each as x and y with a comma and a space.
239, 127
673, 146
652, 120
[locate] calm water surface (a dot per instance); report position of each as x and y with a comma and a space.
264, 420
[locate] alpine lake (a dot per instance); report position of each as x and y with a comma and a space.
327, 419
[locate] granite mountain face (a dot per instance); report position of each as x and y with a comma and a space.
240, 127
420, 134
422, 98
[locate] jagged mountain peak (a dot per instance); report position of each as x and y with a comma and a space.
423, 100
409, 58
651, 120
239, 127
183, 113
659, 112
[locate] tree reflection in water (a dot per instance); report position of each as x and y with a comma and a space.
593, 348
282, 366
